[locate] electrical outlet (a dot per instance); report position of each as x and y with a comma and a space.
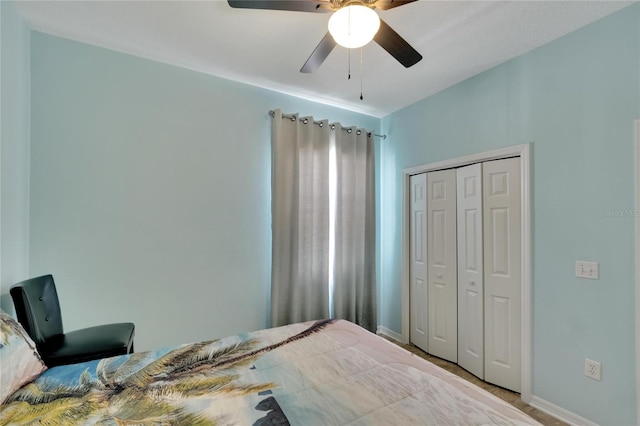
592, 369
586, 269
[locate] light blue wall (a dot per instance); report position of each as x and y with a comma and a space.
575, 100
14, 150
150, 191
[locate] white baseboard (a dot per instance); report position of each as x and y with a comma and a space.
559, 412
384, 331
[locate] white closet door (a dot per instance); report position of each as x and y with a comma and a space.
501, 199
441, 264
470, 270
418, 268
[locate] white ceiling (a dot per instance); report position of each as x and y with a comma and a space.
457, 39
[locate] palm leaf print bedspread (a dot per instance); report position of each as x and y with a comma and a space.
315, 373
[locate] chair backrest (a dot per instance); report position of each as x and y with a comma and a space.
38, 308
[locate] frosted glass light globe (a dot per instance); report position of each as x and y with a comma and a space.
354, 26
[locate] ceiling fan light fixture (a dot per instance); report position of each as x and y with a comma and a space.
354, 26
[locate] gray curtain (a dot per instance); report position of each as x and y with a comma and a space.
321, 268
300, 220
354, 290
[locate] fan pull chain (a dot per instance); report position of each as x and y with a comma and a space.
361, 54
349, 32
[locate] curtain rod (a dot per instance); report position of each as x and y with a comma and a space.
293, 117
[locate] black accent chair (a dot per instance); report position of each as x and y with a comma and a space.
38, 310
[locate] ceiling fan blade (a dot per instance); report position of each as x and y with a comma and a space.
390, 4
396, 45
319, 54
292, 5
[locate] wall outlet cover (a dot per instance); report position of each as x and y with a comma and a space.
585, 269
592, 369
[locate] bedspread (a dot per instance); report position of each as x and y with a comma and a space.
315, 373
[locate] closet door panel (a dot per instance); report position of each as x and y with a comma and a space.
502, 295
419, 324
470, 270
441, 264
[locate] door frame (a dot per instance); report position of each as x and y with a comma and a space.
524, 152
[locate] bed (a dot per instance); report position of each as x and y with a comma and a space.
315, 373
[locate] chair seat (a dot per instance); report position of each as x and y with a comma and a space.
101, 341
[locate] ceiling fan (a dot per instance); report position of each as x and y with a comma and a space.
344, 26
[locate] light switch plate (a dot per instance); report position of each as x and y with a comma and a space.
587, 270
